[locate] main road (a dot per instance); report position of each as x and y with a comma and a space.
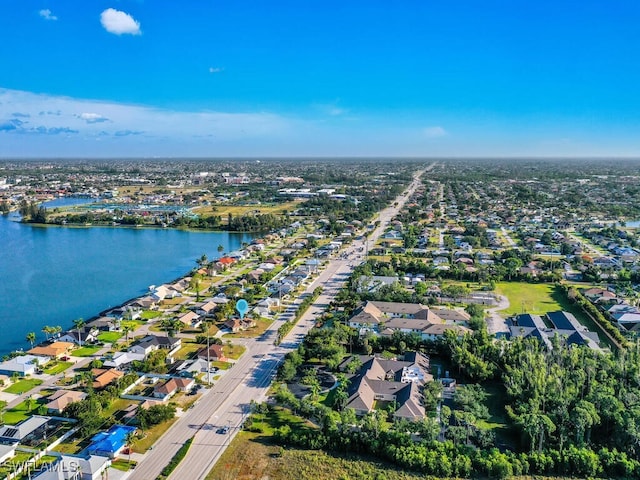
227, 403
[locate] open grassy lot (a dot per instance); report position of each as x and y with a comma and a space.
24, 385
149, 314
233, 351
151, 436
85, 351
534, 298
188, 350
57, 367
225, 210
109, 337
251, 455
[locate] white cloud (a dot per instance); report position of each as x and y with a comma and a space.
47, 15
93, 117
118, 22
215, 69
434, 132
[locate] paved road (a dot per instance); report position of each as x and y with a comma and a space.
227, 403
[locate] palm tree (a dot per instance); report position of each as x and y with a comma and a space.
47, 330
220, 249
129, 439
79, 323
126, 329
31, 338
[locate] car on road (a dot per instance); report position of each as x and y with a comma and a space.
223, 430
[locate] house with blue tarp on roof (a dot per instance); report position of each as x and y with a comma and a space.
110, 443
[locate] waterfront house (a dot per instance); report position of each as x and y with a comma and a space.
23, 365
53, 350
86, 334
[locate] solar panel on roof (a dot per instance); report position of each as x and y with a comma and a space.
11, 432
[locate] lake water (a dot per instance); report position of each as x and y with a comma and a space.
53, 275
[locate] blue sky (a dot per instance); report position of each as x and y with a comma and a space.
284, 78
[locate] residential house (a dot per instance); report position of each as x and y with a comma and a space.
205, 309
239, 325
23, 365
86, 334
564, 325
214, 353
599, 295
71, 467
151, 343
110, 443
381, 382
35, 426
102, 377
59, 400
121, 360
173, 385
53, 350
190, 319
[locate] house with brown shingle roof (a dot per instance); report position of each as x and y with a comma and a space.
380, 382
103, 377
385, 318
61, 398
53, 350
215, 354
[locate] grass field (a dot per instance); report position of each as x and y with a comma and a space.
224, 210
109, 337
233, 351
188, 350
85, 351
151, 436
149, 314
57, 367
251, 455
535, 298
22, 386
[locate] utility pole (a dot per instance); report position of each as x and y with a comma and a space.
208, 360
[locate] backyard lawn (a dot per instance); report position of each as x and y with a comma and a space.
22, 386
